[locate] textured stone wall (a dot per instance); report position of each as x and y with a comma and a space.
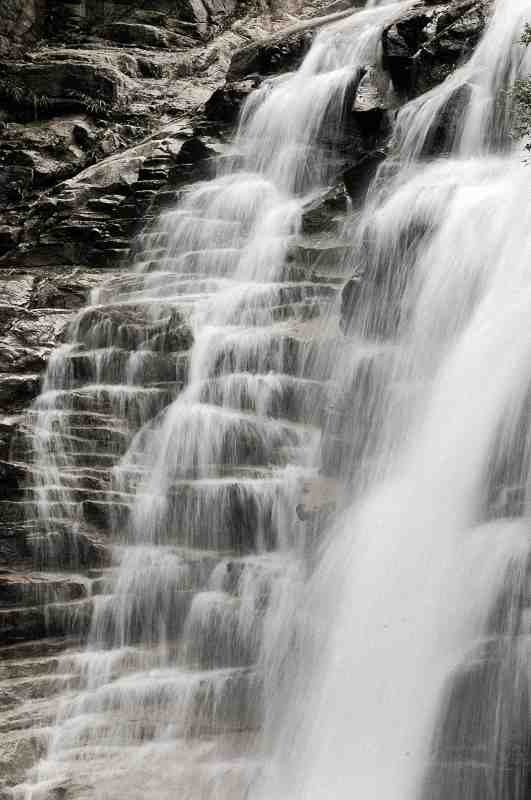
23, 23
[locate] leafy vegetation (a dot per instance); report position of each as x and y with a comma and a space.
15, 94
521, 96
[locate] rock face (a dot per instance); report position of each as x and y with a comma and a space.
58, 80
429, 40
96, 140
23, 23
420, 49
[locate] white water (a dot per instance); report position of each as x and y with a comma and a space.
403, 596
209, 628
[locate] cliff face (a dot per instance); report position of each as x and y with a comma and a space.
108, 111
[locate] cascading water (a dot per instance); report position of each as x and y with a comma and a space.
414, 630
203, 502
207, 627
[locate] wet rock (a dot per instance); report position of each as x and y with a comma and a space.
358, 176
225, 103
25, 623
445, 129
321, 213
9, 425
18, 391
350, 299
427, 42
371, 102
281, 53
194, 160
23, 588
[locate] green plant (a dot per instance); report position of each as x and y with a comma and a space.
520, 96
17, 95
525, 38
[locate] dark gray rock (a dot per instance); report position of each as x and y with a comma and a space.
225, 103
67, 80
428, 41
23, 23
280, 53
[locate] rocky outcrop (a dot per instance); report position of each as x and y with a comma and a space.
420, 49
430, 40
225, 103
281, 52
23, 23
67, 80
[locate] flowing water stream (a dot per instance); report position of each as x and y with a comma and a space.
228, 656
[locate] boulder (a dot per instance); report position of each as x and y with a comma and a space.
320, 213
371, 102
225, 103
280, 53
358, 175
428, 41
67, 80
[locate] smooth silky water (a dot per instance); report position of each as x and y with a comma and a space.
228, 658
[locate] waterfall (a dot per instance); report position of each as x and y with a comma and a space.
191, 413
410, 679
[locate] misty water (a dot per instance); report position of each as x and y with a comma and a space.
239, 647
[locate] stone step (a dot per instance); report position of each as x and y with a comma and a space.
216, 633
150, 182
167, 198
66, 544
132, 326
287, 348
108, 257
269, 395
320, 252
150, 240
53, 619
491, 689
208, 261
303, 311
218, 514
144, 197
19, 750
34, 650
107, 204
143, 706
153, 173
37, 588
18, 690
242, 439
119, 366
138, 404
